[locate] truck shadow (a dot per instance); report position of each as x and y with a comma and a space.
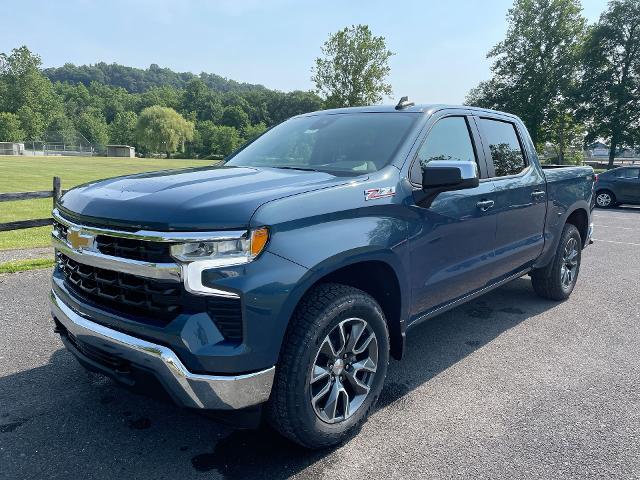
99, 429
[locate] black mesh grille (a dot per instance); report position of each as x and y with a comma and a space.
98, 355
226, 313
156, 300
134, 249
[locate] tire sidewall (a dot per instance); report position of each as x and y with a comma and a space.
569, 233
354, 306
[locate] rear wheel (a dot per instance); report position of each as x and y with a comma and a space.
605, 199
556, 280
332, 366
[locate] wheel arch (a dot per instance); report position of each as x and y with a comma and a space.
580, 219
378, 275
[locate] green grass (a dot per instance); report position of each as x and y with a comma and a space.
23, 265
26, 174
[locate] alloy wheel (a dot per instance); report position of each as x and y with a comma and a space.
569, 267
603, 199
344, 370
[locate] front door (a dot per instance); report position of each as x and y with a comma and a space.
452, 248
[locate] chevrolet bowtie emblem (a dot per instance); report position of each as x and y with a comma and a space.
79, 240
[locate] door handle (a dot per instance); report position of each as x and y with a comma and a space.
485, 205
537, 194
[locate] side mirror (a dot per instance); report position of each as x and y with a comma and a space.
447, 175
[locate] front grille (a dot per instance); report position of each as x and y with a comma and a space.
61, 229
226, 313
157, 252
154, 300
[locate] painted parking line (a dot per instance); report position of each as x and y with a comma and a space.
616, 217
621, 243
612, 226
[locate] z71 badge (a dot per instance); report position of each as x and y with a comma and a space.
376, 193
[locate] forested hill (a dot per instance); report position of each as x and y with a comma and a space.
138, 80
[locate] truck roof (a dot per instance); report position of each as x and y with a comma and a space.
418, 108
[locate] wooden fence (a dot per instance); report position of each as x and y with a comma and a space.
54, 193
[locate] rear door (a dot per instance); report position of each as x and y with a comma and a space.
452, 247
629, 184
519, 193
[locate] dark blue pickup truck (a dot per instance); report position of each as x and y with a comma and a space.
282, 281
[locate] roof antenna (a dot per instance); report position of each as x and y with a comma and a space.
404, 103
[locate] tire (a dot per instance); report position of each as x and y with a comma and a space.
557, 280
605, 199
326, 310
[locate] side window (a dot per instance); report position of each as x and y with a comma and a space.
631, 173
506, 152
449, 139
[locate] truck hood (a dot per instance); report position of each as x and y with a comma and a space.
205, 198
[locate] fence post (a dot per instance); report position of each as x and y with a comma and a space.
56, 190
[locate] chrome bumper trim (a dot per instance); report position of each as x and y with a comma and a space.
211, 392
159, 271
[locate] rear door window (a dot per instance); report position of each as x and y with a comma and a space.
504, 146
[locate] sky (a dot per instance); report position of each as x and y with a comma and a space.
440, 46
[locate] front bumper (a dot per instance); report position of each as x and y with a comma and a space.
210, 392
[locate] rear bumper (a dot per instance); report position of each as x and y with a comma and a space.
209, 392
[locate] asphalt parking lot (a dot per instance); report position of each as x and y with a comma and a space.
509, 386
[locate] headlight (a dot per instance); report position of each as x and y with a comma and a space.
223, 252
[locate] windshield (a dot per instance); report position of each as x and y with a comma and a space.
353, 143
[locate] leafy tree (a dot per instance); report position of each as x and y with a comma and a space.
536, 65
281, 106
165, 96
225, 140
93, 126
162, 129
10, 130
611, 82
566, 136
216, 139
122, 129
353, 69
234, 116
32, 123
253, 131
27, 92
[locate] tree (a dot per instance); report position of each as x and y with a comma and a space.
10, 130
162, 129
234, 116
122, 129
566, 136
216, 139
354, 68
536, 65
32, 123
611, 81
92, 125
26, 92
253, 131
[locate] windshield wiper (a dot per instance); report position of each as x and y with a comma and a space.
296, 168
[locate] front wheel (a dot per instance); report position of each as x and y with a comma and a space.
556, 280
332, 366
